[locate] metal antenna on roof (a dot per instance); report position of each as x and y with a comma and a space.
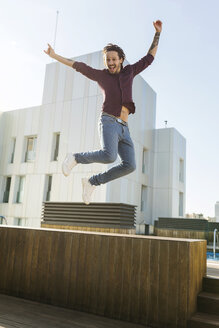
57, 14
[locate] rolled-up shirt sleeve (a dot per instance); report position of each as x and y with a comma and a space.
143, 63
91, 73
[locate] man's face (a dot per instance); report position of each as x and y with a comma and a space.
113, 62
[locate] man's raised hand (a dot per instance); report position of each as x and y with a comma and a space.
158, 26
50, 51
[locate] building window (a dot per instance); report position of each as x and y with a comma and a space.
12, 151
55, 146
7, 190
48, 187
143, 198
181, 204
30, 153
18, 221
3, 220
19, 189
181, 170
145, 161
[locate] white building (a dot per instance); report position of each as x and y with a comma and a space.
217, 211
34, 142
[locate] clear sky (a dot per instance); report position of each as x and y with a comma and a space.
184, 74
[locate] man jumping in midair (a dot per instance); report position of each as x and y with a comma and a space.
116, 84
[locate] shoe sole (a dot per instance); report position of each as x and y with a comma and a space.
83, 183
63, 171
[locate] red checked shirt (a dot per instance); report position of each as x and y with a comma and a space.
117, 88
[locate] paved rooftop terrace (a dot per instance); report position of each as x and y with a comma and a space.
213, 268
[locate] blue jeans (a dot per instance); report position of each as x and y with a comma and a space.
115, 139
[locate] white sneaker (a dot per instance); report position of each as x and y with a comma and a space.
88, 189
68, 164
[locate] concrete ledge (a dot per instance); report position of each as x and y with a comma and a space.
142, 279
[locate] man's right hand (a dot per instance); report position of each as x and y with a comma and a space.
50, 51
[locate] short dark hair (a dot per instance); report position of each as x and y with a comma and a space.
114, 47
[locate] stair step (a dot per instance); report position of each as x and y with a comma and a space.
211, 285
208, 303
203, 320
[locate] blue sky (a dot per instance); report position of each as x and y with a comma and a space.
184, 74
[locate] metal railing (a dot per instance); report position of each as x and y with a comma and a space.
2, 218
215, 241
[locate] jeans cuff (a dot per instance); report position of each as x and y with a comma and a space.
93, 181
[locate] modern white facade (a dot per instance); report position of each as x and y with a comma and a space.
34, 142
217, 211
170, 174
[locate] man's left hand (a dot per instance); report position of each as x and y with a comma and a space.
158, 26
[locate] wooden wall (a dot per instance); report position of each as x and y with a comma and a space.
148, 280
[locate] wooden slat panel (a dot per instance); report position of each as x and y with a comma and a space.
145, 281
24, 283
19, 261
163, 287
117, 277
183, 265
127, 262
87, 222
203, 258
173, 294
87, 228
49, 285
81, 272
111, 277
4, 238
192, 297
135, 280
154, 278
148, 280
33, 287
103, 260
65, 250
44, 253
72, 296
10, 280
180, 233
88, 281
56, 269
95, 272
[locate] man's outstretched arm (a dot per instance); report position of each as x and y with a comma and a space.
91, 73
158, 28
148, 59
50, 51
